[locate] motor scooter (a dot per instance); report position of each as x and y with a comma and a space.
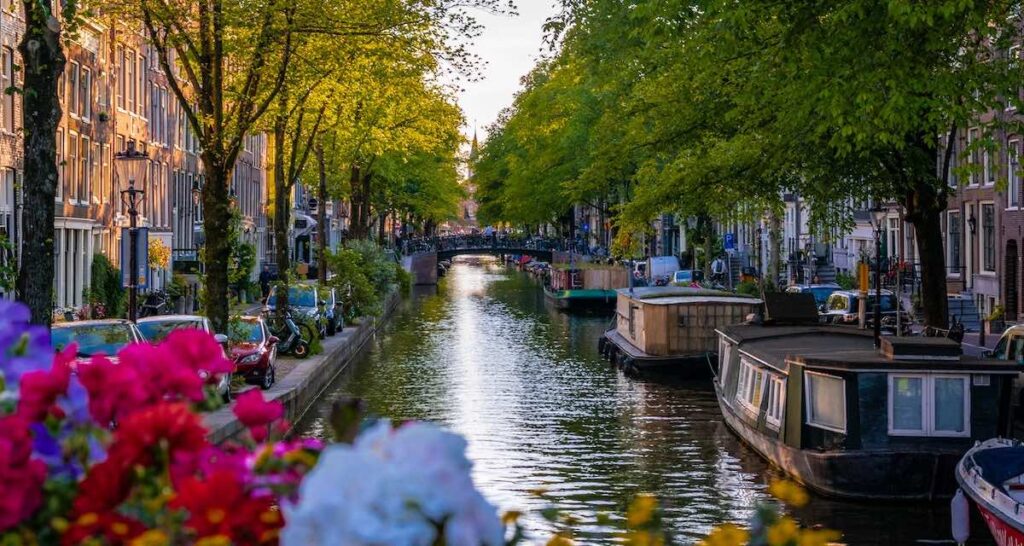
288, 333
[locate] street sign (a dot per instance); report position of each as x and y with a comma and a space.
730, 241
142, 261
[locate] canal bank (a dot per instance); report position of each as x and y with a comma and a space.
301, 386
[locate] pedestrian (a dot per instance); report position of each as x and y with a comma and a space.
265, 278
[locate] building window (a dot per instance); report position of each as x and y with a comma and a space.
988, 236
60, 165
71, 166
954, 238
929, 405
776, 400
133, 90
140, 74
1013, 174
97, 192
72, 101
974, 158
826, 401
121, 78
85, 94
85, 157
8, 84
990, 168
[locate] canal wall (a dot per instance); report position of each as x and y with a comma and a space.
299, 389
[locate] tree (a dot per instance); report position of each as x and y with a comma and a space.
42, 64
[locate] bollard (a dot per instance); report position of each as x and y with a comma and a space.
981, 333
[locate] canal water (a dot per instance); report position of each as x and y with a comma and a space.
484, 355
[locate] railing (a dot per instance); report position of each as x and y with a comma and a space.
484, 242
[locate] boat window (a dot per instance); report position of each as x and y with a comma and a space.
751, 386
776, 400
837, 303
826, 401
929, 405
724, 356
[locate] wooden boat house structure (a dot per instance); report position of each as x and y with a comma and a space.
585, 285
671, 330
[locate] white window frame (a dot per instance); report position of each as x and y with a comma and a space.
776, 400
928, 406
85, 95
807, 402
954, 272
973, 158
753, 371
1013, 177
73, 86
984, 270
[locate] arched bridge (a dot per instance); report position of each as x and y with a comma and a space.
423, 264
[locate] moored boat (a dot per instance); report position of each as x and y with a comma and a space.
585, 285
991, 474
671, 330
852, 421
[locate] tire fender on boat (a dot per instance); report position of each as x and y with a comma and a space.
960, 516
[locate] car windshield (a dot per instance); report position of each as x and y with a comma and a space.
298, 296
157, 330
93, 339
245, 331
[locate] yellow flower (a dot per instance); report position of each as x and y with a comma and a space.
783, 532
641, 510
510, 517
270, 517
788, 492
215, 515
87, 519
214, 540
153, 537
59, 524
300, 456
818, 537
727, 535
119, 528
560, 540
644, 538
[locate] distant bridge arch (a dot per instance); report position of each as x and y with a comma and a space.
423, 265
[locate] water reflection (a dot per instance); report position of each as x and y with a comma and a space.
483, 355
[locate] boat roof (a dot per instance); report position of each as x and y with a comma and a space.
670, 295
97, 322
851, 349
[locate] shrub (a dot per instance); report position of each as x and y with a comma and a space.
749, 288
846, 281
105, 287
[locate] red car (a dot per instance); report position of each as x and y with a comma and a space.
254, 351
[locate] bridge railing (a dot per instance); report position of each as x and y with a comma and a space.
440, 244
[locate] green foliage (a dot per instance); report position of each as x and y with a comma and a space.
177, 287
243, 255
105, 286
846, 281
403, 278
363, 275
748, 288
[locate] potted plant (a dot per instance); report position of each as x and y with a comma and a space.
995, 322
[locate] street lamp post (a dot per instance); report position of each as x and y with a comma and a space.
878, 214
131, 165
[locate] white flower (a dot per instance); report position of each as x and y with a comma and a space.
395, 487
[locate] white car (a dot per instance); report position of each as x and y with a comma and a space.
156, 329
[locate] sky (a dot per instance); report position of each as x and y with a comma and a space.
510, 45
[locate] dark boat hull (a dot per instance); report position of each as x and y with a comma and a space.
572, 300
856, 474
633, 361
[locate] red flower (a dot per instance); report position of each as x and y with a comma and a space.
220, 505
114, 529
22, 477
165, 375
200, 350
170, 427
40, 389
256, 413
114, 390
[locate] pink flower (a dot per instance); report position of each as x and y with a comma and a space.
114, 390
256, 413
22, 476
165, 374
199, 350
40, 389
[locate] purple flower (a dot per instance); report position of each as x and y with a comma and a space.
23, 347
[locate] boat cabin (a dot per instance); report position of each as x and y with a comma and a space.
586, 276
850, 420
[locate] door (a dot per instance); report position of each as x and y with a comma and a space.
1010, 279
969, 234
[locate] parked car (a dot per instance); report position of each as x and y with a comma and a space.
306, 311
254, 351
821, 292
95, 337
687, 276
842, 307
659, 269
1010, 345
157, 328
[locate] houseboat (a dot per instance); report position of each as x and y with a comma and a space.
671, 330
584, 285
852, 421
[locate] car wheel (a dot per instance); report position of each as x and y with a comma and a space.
301, 350
331, 328
269, 377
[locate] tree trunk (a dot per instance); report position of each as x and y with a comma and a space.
924, 210
43, 62
282, 212
357, 229
321, 216
217, 251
